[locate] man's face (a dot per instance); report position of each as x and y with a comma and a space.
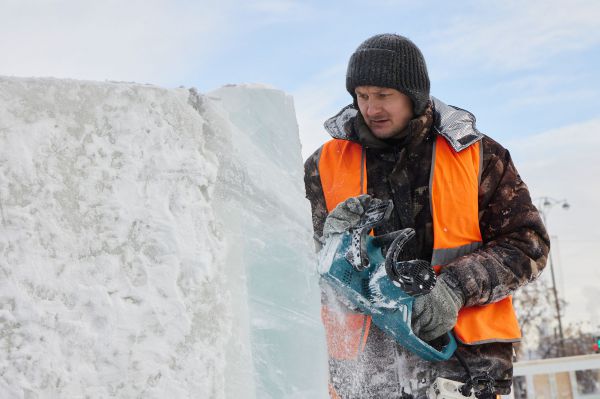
386, 111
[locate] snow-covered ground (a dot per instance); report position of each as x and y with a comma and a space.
154, 243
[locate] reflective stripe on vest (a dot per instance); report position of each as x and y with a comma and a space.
454, 191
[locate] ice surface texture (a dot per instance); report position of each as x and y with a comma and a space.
125, 269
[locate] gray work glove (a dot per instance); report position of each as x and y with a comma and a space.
347, 214
435, 313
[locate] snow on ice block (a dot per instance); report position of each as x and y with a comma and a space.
154, 243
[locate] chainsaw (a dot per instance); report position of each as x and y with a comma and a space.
375, 275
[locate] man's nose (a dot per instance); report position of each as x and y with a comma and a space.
373, 108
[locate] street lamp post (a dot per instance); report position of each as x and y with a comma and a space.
544, 206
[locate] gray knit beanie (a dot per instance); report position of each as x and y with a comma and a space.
390, 60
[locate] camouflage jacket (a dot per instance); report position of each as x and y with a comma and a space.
514, 251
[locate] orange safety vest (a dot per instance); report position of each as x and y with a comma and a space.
454, 189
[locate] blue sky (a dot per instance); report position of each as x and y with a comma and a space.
521, 67
527, 70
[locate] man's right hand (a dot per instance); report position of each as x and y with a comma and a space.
347, 214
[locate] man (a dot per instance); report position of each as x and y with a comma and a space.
471, 211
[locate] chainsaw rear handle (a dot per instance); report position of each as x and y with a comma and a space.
428, 352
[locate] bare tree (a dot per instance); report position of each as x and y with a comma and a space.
537, 320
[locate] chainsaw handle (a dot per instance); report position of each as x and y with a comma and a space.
397, 324
425, 349
385, 240
434, 354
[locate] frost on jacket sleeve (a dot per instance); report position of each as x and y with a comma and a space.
314, 193
515, 242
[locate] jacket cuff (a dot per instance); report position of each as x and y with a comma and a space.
453, 282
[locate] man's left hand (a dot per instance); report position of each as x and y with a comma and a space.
435, 313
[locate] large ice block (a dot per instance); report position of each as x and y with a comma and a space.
154, 243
